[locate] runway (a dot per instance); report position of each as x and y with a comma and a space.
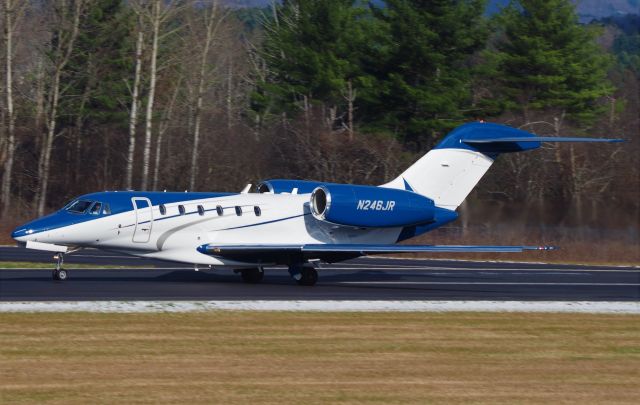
364, 279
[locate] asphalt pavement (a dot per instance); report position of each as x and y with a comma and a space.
360, 279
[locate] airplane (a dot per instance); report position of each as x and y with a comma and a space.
296, 223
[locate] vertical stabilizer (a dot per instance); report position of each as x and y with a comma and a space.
446, 175
449, 172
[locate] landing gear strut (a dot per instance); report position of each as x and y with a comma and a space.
59, 273
304, 274
253, 275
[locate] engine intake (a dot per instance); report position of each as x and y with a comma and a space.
370, 207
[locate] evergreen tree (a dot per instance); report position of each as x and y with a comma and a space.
101, 59
544, 59
627, 44
311, 50
423, 69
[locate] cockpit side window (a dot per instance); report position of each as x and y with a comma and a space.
106, 210
96, 208
79, 207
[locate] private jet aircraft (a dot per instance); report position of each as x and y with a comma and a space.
287, 222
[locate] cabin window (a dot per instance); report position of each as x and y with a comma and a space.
200, 210
181, 209
163, 209
106, 210
79, 206
238, 211
219, 210
257, 210
96, 208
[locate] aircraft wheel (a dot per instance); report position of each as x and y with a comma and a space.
60, 274
252, 276
308, 276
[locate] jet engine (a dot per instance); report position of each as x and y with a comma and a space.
369, 206
278, 186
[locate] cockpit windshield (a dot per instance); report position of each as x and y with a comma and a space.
79, 207
95, 210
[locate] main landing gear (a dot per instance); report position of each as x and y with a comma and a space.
253, 275
59, 274
304, 274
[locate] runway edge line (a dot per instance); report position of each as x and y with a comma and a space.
595, 307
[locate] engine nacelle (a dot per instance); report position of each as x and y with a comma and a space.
278, 186
369, 206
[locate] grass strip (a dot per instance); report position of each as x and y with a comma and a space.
319, 358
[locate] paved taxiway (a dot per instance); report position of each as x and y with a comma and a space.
362, 279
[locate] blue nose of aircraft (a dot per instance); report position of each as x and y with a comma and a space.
21, 232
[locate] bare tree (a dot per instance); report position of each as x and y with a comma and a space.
350, 96
157, 16
66, 32
155, 24
133, 113
13, 10
211, 22
164, 125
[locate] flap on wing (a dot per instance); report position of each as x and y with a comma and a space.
314, 250
380, 249
227, 250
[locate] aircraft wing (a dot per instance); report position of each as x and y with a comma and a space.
337, 252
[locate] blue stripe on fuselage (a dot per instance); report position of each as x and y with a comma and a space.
119, 202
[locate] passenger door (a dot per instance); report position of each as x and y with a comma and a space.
144, 219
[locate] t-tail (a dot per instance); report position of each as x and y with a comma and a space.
449, 172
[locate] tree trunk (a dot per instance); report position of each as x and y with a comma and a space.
229, 94
164, 125
576, 183
211, 27
155, 22
40, 95
64, 52
133, 115
350, 96
9, 8
78, 126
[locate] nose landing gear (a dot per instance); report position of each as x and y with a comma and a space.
59, 274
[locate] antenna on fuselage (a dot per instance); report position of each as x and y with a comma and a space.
246, 189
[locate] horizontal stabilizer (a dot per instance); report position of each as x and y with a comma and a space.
538, 139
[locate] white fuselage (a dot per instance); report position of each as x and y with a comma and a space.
283, 219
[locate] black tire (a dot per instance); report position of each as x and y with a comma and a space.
55, 275
308, 276
62, 274
252, 276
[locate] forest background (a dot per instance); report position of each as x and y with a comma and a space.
204, 95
